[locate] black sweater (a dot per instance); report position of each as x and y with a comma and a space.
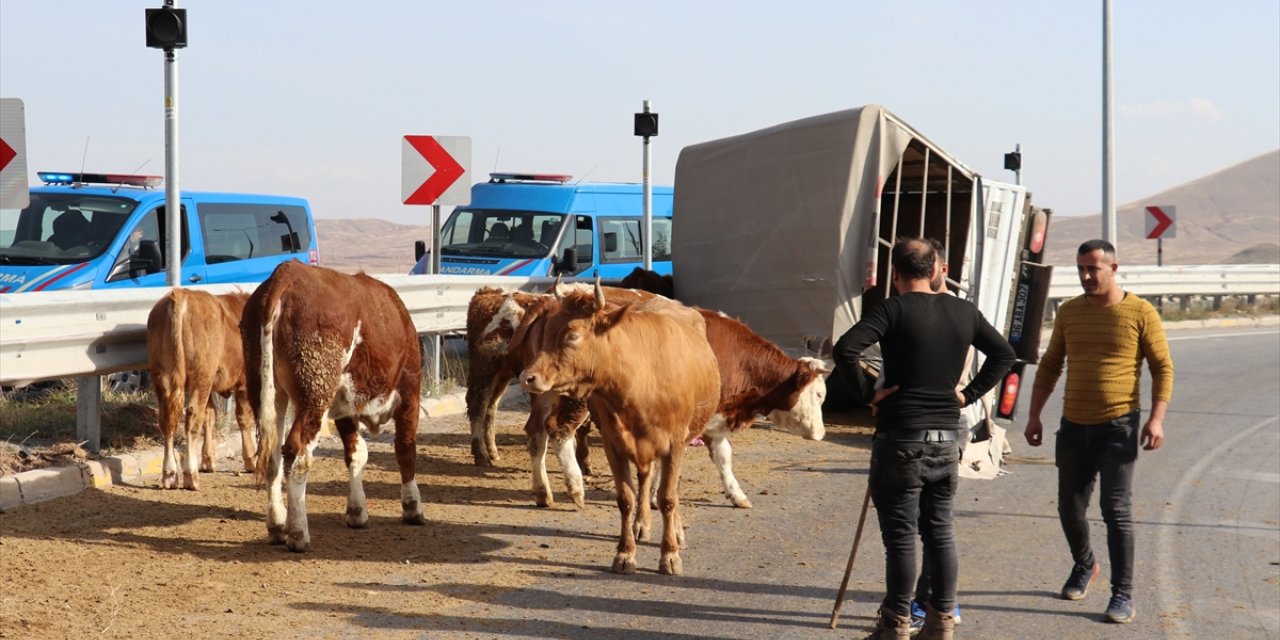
924, 338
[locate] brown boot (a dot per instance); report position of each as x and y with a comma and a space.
891, 626
937, 626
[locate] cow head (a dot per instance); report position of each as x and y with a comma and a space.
561, 342
808, 390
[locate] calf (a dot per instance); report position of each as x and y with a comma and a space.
651, 383
645, 280
194, 352
329, 345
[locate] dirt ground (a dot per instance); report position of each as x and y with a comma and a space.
140, 562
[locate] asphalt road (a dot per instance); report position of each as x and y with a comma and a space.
1207, 507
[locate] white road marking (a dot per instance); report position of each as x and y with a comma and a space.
1234, 334
1169, 594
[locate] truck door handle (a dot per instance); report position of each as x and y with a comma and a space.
195, 277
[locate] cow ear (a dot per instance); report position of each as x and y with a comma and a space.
816, 364
522, 333
610, 317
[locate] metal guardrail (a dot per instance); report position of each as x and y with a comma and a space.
67, 334
1184, 280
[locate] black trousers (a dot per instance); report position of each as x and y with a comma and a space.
1107, 451
913, 485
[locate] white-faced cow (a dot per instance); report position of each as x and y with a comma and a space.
651, 382
194, 351
327, 344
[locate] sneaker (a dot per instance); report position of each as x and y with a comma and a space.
917, 616
1077, 585
1120, 610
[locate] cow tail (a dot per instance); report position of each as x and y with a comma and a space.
178, 312
268, 430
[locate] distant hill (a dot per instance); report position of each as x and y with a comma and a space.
1222, 218
1228, 217
371, 245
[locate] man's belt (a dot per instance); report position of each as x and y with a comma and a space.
919, 435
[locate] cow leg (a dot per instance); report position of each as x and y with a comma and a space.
197, 419
572, 474
644, 515
581, 449
716, 436
482, 409
356, 454
297, 454
169, 403
536, 438
406, 446
669, 502
274, 473
209, 451
625, 559
244, 419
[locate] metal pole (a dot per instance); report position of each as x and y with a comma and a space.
436, 343
172, 204
1108, 134
646, 233
1159, 252
1017, 174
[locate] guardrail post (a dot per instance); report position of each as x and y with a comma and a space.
1184, 303
1217, 303
89, 412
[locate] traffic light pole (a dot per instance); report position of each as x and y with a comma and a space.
172, 205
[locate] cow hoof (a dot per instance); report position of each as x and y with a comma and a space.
357, 518
190, 482
641, 532
481, 457
275, 535
413, 517
624, 564
297, 543
740, 502
579, 500
249, 467
206, 466
169, 480
544, 499
671, 566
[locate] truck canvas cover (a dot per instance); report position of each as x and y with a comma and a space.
787, 227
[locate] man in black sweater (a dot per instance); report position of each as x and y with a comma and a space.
924, 339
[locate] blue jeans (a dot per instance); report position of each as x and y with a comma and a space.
913, 485
1107, 450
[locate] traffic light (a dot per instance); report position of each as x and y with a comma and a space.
1013, 161
167, 28
647, 124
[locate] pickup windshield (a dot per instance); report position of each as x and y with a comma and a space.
61, 228
500, 233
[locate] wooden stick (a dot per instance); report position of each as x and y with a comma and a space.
857, 537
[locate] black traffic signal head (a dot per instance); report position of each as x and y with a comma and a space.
1013, 161
167, 28
646, 124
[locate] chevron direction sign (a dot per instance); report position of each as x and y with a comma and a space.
434, 170
1160, 222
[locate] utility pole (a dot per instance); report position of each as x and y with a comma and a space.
1108, 134
646, 126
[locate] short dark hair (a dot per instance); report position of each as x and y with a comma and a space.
939, 250
1090, 246
913, 258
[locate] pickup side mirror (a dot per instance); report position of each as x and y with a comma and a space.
419, 250
569, 263
148, 259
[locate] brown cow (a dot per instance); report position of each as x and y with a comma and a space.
651, 382
194, 351
651, 281
329, 345
493, 316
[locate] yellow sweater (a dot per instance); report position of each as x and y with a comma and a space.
1103, 348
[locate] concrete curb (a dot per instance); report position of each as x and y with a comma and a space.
38, 485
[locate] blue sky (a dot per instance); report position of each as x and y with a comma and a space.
312, 98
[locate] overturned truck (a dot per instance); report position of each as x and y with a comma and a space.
789, 229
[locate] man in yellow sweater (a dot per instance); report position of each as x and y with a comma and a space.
1102, 336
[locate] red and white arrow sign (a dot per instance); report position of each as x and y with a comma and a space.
1160, 221
432, 170
13, 155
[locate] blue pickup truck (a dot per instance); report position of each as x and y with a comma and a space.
102, 231
540, 225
